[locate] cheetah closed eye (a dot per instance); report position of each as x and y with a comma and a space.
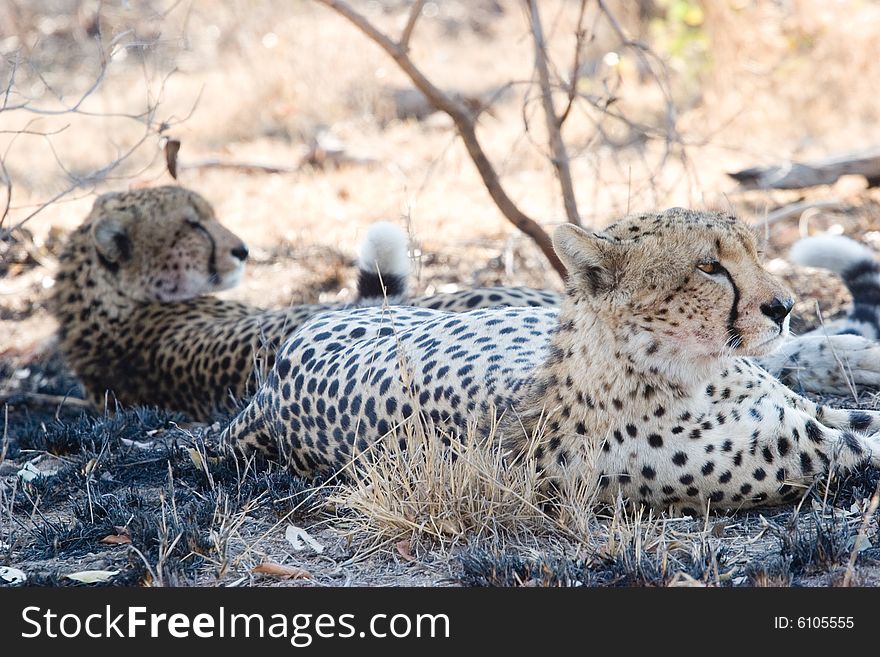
639, 377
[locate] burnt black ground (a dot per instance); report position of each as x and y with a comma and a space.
160, 482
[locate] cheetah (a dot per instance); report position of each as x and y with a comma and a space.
641, 381
137, 324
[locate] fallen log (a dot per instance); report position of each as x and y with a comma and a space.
797, 175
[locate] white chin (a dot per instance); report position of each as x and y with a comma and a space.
230, 280
762, 348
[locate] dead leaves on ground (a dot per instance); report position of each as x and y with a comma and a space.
280, 570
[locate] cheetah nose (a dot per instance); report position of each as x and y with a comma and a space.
240, 252
778, 309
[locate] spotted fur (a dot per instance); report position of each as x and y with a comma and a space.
639, 383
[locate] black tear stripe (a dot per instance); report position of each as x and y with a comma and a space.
734, 338
212, 260
112, 267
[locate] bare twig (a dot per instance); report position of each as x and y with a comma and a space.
645, 56
257, 167
861, 537
7, 185
56, 105
580, 34
559, 155
796, 209
465, 124
44, 400
414, 14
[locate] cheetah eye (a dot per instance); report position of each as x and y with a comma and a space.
713, 267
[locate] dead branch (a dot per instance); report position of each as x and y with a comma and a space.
414, 14
465, 125
797, 175
7, 186
247, 167
645, 56
559, 155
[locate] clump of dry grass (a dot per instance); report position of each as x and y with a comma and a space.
420, 482
471, 495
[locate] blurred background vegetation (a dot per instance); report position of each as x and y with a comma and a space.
301, 131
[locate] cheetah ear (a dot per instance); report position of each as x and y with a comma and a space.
112, 239
590, 258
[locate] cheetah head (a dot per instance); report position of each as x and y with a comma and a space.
680, 284
164, 244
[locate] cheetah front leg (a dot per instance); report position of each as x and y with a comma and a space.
829, 364
777, 450
849, 419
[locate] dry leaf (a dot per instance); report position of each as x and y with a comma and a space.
28, 473
196, 458
405, 549
719, 528
88, 467
681, 579
137, 444
10, 575
299, 538
278, 570
449, 527
115, 539
172, 148
92, 576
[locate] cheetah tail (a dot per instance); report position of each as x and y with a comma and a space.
383, 263
855, 263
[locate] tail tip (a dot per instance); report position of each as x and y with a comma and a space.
837, 253
383, 255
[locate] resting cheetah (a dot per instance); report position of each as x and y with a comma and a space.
134, 318
638, 379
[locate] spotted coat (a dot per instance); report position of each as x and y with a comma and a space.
639, 384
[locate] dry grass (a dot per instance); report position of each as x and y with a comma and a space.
420, 483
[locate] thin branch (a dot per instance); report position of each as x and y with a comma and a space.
554, 136
152, 127
575, 66
43, 399
797, 209
257, 167
8, 90
7, 185
414, 14
642, 52
465, 126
